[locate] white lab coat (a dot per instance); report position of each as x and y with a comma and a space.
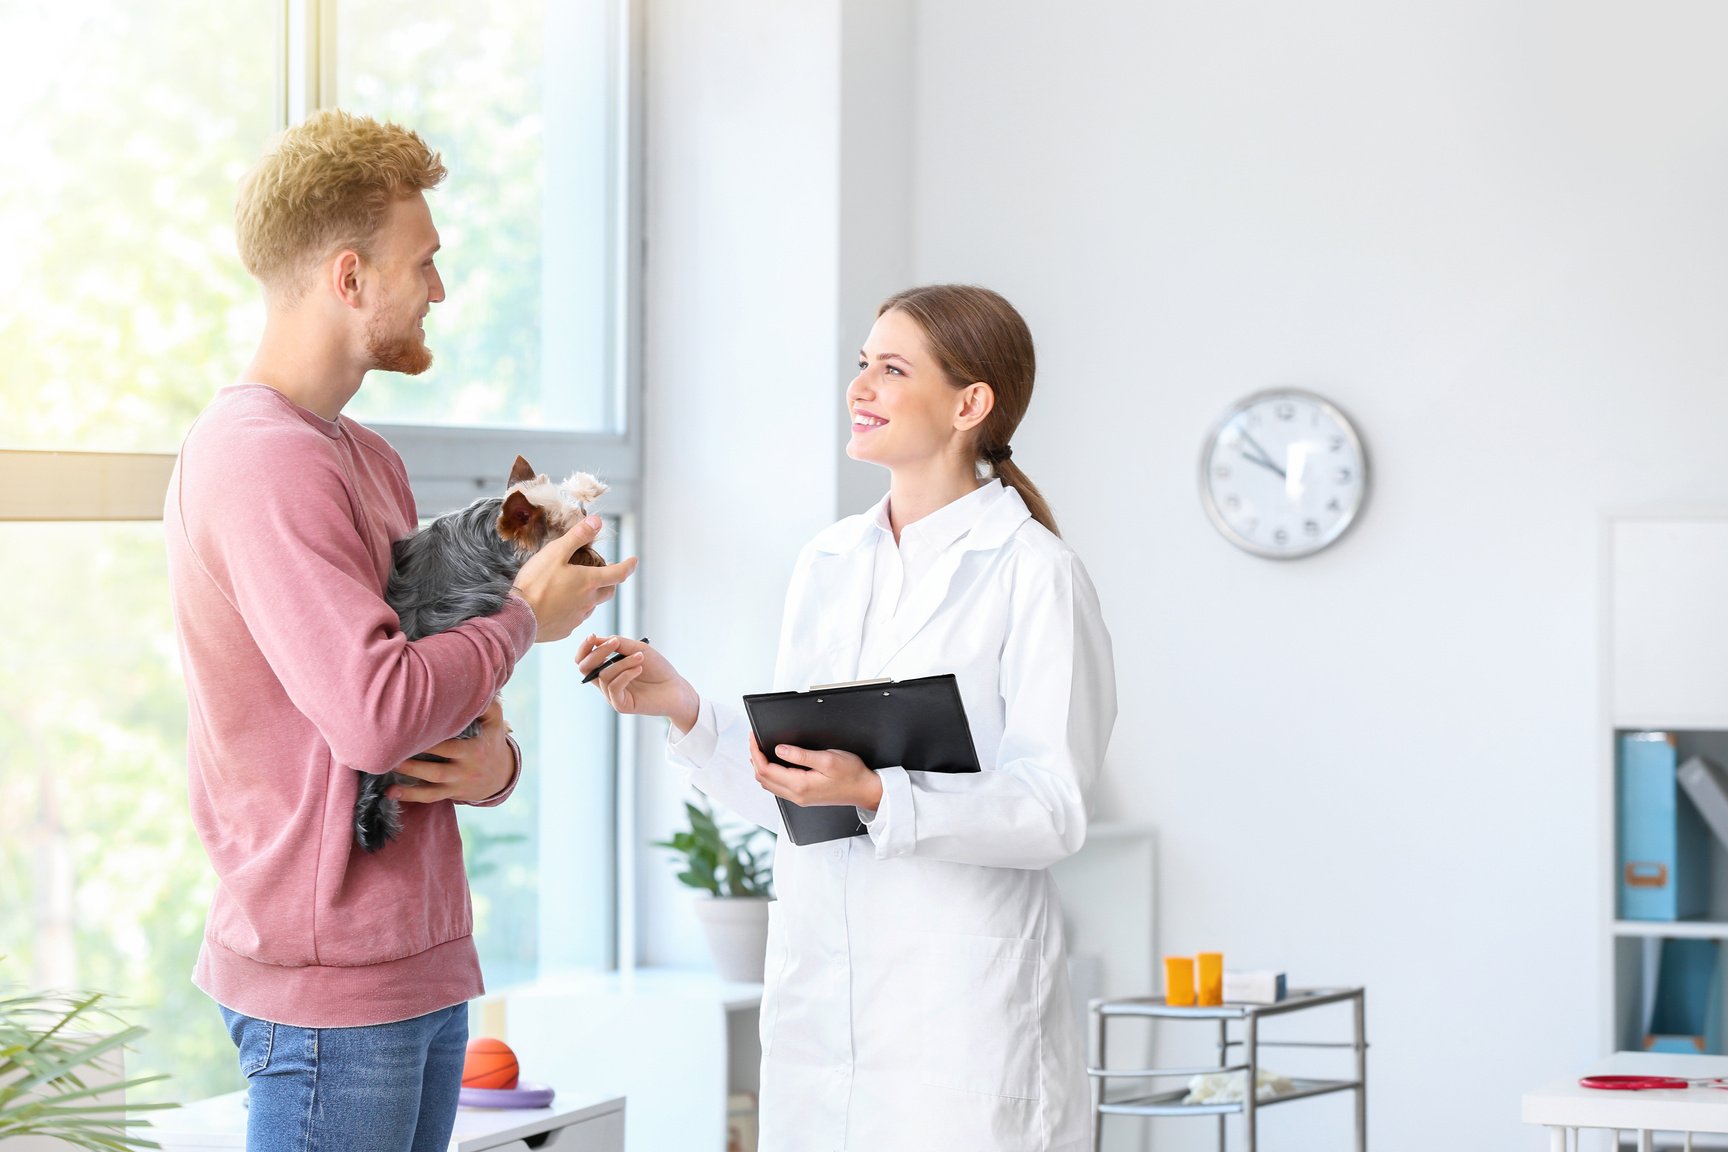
916, 990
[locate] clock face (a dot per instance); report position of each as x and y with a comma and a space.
1283, 474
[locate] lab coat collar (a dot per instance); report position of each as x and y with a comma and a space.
1001, 514
842, 572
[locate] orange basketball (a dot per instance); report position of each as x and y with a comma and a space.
489, 1064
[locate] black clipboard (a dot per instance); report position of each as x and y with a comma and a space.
911, 723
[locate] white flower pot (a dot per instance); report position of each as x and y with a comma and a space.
737, 931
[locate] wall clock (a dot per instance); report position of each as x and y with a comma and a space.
1283, 474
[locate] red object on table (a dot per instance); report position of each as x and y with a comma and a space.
1642, 1083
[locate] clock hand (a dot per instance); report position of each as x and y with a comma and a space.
1266, 464
1263, 458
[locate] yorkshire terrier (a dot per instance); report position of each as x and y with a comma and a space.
460, 566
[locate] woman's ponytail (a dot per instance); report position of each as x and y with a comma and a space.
1010, 474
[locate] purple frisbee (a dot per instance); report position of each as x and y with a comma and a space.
524, 1095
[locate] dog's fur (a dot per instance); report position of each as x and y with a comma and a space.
460, 566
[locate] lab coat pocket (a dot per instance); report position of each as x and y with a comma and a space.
977, 1020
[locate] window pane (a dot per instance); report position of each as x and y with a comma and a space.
524, 337
540, 864
126, 130
93, 814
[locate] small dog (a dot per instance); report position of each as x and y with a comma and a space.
460, 566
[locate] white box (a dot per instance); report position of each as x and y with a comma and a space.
576, 1123
1253, 987
1703, 782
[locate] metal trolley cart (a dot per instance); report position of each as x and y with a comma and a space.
1147, 1100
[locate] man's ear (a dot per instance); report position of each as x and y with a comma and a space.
977, 401
344, 272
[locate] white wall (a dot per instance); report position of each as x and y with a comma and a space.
741, 295
1495, 232
771, 237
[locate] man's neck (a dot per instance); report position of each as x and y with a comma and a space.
305, 361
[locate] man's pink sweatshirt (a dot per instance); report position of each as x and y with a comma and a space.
279, 525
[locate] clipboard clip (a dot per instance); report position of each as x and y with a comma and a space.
851, 684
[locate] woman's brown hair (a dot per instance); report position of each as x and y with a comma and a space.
976, 335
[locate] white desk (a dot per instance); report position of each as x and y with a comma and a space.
1567, 1106
574, 1122
674, 1043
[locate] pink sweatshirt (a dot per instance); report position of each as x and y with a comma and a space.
279, 525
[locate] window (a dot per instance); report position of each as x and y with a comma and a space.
126, 307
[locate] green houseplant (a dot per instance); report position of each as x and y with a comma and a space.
735, 872
57, 1056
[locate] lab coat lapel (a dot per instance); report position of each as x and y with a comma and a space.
999, 522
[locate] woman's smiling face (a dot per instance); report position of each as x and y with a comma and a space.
901, 403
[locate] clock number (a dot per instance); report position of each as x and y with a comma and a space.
1337, 443
1222, 471
1344, 475
1232, 503
1280, 537
1286, 411
1332, 505
1311, 527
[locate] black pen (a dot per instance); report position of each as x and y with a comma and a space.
607, 663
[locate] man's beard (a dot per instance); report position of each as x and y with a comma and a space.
396, 353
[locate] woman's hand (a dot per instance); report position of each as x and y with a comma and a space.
827, 777
643, 683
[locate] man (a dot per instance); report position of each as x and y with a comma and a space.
342, 976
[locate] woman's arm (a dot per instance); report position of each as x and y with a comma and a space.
1059, 706
708, 741
1029, 809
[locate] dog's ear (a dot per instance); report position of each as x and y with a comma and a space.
522, 522
520, 472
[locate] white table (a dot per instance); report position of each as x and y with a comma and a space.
1567, 1106
574, 1122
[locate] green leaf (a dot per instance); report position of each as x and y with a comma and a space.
42, 1063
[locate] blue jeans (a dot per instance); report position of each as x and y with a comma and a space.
381, 1088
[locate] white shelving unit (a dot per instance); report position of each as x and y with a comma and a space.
1665, 644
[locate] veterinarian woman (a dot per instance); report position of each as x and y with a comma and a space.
917, 992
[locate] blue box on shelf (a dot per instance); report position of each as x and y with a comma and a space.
1663, 853
1686, 1014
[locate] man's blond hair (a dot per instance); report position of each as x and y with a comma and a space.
324, 186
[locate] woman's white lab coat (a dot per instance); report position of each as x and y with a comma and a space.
916, 990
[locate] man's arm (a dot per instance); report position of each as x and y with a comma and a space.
269, 518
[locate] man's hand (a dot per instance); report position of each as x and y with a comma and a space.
563, 594
643, 683
479, 768
827, 777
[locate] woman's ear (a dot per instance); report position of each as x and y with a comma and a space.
977, 401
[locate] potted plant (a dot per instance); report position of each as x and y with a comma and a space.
59, 1055
736, 874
